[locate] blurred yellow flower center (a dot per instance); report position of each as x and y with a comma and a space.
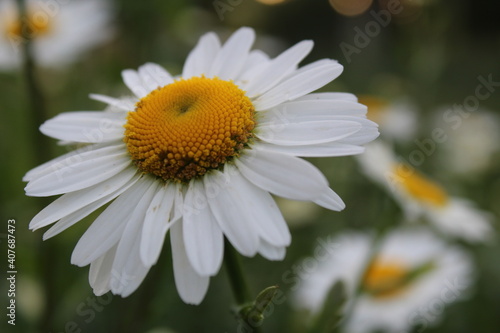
419, 187
37, 25
376, 107
182, 130
385, 278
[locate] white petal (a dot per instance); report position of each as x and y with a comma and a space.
255, 58
306, 133
128, 269
232, 56
460, 218
290, 111
71, 202
156, 224
178, 203
266, 216
255, 64
201, 57
56, 163
191, 286
154, 76
330, 200
363, 136
278, 68
134, 83
316, 150
81, 171
257, 209
271, 252
83, 212
228, 203
107, 229
299, 84
203, 238
100, 272
286, 176
329, 96
277, 123
125, 104
86, 127
312, 65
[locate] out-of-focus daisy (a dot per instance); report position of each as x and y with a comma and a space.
419, 196
298, 213
471, 142
412, 272
397, 120
198, 155
60, 31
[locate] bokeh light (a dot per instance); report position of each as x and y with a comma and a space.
351, 7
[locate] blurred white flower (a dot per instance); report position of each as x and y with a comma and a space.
419, 196
397, 120
30, 297
197, 157
61, 30
471, 144
298, 213
412, 273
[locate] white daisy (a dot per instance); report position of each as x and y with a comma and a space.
197, 155
61, 31
397, 120
472, 141
419, 196
412, 273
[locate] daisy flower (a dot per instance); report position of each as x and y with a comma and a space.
472, 142
397, 120
412, 273
60, 31
420, 196
197, 155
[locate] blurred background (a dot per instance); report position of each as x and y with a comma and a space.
418, 62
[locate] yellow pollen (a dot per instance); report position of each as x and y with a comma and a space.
385, 278
420, 187
34, 25
184, 129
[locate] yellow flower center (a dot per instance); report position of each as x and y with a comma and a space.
184, 129
420, 187
30, 27
385, 278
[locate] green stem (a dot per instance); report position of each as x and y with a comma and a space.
235, 273
37, 115
37, 109
386, 216
238, 284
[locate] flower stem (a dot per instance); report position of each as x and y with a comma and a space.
37, 109
385, 213
37, 115
235, 274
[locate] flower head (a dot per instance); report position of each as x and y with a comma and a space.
419, 196
472, 143
60, 31
412, 271
197, 155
